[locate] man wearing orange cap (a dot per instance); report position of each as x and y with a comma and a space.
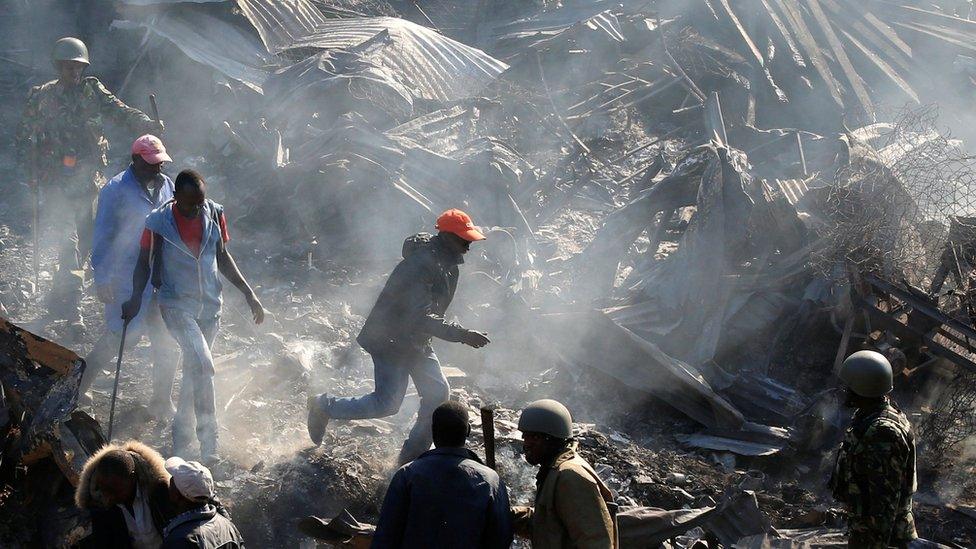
397, 334
123, 204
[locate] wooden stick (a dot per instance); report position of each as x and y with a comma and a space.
488, 428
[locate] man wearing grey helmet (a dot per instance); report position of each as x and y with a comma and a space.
64, 150
874, 476
573, 506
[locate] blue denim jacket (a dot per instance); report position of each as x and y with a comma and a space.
122, 209
189, 283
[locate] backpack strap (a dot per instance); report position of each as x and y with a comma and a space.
215, 218
156, 259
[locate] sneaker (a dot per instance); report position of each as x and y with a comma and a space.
318, 419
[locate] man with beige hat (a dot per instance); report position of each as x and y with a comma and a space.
201, 522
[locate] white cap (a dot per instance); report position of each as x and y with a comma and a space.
192, 479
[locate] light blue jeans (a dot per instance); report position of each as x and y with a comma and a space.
391, 371
197, 402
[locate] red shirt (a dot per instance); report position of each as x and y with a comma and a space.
191, 231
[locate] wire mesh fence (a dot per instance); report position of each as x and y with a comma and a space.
902, 203
950, 422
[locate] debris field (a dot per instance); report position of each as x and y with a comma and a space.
695, 210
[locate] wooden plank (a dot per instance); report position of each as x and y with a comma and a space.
845, 341
885, 68
918, 15
791, 10
917, 305
751, 46
840, 55
879, 26
925, 30
852, 21
746, 39
785, 34
714, 121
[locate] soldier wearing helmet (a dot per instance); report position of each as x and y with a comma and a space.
64, 150
573, 506
874, 476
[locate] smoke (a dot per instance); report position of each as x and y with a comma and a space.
338, 158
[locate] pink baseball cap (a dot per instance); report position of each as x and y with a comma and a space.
151, 149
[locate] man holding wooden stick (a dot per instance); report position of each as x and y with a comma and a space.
123, 205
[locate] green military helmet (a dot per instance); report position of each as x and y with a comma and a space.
547, 416
70, 49
867, 373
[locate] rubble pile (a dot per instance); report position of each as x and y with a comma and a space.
695, 211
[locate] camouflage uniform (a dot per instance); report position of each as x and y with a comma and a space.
62, 143
875, 478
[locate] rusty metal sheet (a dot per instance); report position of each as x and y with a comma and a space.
40, 380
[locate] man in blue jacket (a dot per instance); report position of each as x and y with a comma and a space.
446, 498
123, 205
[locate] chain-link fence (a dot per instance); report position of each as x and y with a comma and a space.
902, 202
950, 421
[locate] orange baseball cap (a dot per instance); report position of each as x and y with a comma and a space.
151, 149
457, 222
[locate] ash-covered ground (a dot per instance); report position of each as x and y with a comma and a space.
272, 475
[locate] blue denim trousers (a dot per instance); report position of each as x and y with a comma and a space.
391, 371
197, 402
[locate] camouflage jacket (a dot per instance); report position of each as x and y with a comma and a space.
874, 476
62, 127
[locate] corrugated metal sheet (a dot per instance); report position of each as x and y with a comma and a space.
157, 2
212, 41
560, 25
282, 22
434, 66
792, 189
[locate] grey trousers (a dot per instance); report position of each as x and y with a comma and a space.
163, 354
197, 402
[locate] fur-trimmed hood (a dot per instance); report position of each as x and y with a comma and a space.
150, 470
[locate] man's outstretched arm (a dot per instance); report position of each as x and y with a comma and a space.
228, 267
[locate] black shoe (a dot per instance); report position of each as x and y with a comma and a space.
318, 419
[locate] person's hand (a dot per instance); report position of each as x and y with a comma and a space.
131, 308
257, 310
105, 293
475, 339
